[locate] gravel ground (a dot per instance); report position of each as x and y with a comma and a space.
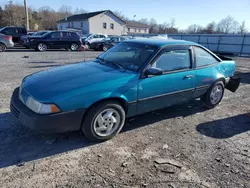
182, 146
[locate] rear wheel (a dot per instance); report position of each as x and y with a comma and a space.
214, 95
103, 121
2, 47
42, 47
74, 47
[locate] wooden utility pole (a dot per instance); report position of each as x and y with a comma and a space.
27, 15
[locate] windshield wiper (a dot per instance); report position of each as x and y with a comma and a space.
112, 62
117, 64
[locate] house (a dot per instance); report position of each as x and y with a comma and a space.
103, 22
133, 27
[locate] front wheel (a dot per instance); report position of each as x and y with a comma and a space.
2, 47
214, 95
42, 47
103, 121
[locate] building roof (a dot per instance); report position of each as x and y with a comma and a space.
136, 24
162, 42
79, 17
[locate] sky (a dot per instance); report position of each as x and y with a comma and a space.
185, 12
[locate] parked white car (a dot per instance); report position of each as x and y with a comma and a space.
93, 38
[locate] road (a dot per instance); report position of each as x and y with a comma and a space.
201, 148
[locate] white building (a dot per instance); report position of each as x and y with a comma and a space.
104, 22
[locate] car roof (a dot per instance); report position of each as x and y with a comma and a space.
13, 27
162, 42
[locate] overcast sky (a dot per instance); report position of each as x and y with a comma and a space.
185, 12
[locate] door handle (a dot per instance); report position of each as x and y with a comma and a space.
189, 76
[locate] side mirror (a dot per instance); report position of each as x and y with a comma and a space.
153, 72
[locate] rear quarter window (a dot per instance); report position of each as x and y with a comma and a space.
22, 31
75, 36
204, 58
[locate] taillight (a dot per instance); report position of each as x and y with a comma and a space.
8, 37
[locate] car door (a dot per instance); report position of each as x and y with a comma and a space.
94, 38
100, 38
206, 70
66, 40
54, 40
176, 84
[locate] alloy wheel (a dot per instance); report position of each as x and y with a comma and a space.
107, 122
216, 94
74, 47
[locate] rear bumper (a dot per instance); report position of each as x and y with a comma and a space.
233, 83
51, 123
9, 44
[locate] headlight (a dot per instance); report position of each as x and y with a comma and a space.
41, 108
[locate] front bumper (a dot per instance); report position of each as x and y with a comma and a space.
50, 123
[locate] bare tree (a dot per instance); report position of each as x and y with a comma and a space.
153, 26
80, 11
243, 29
14, 14
144, 21
1, 17
120, 15
65, 11
210, 28
194, 29
172, 23
228, 25
49, 18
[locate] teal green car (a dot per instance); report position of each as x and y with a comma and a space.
132, 78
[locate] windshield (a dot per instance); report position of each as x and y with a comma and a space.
86, 35
107, 39
40, 33
129, 55
46, 34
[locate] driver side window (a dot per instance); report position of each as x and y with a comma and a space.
55, 35
173, 60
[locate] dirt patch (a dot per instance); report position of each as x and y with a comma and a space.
212, 146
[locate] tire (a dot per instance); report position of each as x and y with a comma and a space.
2, 47
214, 95
42, 47
106, 114
104, 48
74, 47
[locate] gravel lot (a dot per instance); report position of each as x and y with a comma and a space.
199, 147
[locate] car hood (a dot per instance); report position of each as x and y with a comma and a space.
46, 86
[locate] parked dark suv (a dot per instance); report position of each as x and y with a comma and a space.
15, 32
55, 40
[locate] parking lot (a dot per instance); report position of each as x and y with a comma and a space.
182, 146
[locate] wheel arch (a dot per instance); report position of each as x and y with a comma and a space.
120, 100
223, 79
1, 43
